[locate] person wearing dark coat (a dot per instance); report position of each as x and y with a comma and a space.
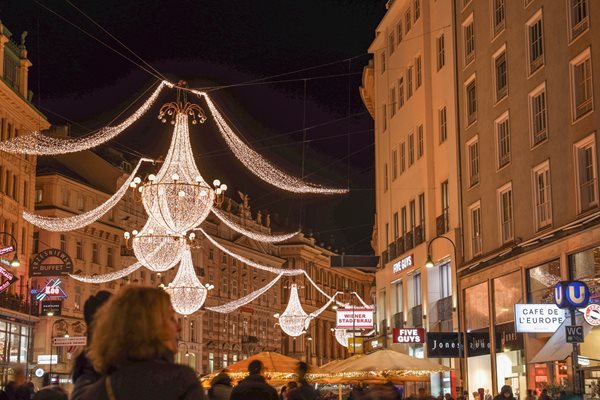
51, 393
304, 391
506, 393
133, 347
220, 387
254, 386
19, 389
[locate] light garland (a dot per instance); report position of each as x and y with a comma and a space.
318, 312
287, 272
294, 320
261, 237
40, 144
187, 293
107, 277
57, 224
178, 198
257, 164
361, 300
235, 304
156, 249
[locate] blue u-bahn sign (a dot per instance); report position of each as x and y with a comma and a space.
571, 294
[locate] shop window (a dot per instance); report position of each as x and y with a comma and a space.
585, 264
541, 281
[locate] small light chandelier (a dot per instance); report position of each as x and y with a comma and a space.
187, 293
342, 335
156, 248
294, 320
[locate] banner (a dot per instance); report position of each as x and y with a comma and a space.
354, 318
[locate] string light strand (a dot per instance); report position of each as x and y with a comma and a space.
261, 237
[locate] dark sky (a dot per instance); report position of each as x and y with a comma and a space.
317, 49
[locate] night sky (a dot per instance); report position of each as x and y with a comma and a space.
314, 50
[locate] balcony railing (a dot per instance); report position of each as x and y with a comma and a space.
16, 303
408, 241
442, 222
417, 315
400, 245
444, 308
419, 235
385, 258
399, 320
392, 251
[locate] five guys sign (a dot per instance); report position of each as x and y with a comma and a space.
413, 335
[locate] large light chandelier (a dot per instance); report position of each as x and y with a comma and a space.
187, 293
157, 248
294, 320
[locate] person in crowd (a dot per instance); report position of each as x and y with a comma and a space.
448, 396
282, 392
530, 395
487, 395
133, 345
423, 395
19, 388
220, 387
506, 393
476, 396
254, 386
544, 395
51, 393
304, 391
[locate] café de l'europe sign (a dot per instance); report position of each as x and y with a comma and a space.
538, 318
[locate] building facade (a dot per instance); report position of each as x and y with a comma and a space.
17, 185
528, 126
409, 88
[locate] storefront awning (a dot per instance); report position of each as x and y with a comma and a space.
557, 348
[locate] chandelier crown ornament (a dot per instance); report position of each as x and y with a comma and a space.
187, 292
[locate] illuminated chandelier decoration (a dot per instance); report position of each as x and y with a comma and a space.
187, 293
342, 335
294, 320
157, 248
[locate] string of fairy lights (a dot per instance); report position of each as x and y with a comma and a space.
177, 200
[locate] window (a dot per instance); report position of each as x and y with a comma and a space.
395, 226
471, 92
443, 124
385, 177
420, 145
418, 72
79, 249
391, 44
109, 257
500, 72
404, 221
409, 82
223, 258
469, 40
585, 161
417, 289
579, 17
25, 194
211, 254
211, 362
499, 15
411, 149
422, 213
15, 188
542, 196
382, 62
399, 32
440, 51
402, 157
537, 114
36, 242
399, 307
446, 206
445, 280
581, 84
400, 92
394, 164
540, 281
412, 206
407, 21
95, 253
505, 201
65, 198
77, 300
417, 7
63, 243
535, 37
393, 101
473, 154
384, 117
80, 203
475, 221
23, 240
503, 140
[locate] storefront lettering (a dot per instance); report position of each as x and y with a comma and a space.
437, 345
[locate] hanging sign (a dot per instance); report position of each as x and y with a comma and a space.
355, 345
7, 249
69, 341
51, 307
61, 263
51, 291
9, 279
354, 318
47, 359
444, 345
538, 318
507, 339
413, 335
478, 343
374, 344
571, 294
591, 314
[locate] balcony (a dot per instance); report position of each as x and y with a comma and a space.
409, 243
442, 222
16, 303
392, 251
417, 315
444, 308
246, 339
400, 246
419, 233
399, 320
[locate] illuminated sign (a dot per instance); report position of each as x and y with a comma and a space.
9, 279
412, 335
355, 345
6, 249
52, 290
571, 294
403, 264
62, 265
592, 314
69, 341
46, 359
538, 318
51, 307
357, 318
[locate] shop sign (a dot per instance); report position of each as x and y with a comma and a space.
538, 318
52, 291
592, 314
355, 345
571, 294
507, 339
373, 344
62, 265
69, 341
413, 335
9, 279
7, 249
354, 318
444, 345
403, 264
574, 333
45, 359
478, 343
52, 307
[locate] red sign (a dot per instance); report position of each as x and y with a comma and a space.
408, 335
9, 279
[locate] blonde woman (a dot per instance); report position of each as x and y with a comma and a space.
134, 341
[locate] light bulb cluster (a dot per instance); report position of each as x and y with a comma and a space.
257, 164
107, 277
235, 304
187, 293
57, 224
294, 320
40, 144
261, 237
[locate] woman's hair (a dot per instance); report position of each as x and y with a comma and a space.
130, 327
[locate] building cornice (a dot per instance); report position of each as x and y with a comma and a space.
21, 109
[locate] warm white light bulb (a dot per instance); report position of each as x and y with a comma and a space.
132, 184
218, 191
175, 177
137, 179
223, 187
126, 235
216, 182
135, 232
203, 193
151, 177
198, 179
181, 193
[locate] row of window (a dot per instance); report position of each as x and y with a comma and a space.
9, 185
11, 227
406, 155
80, 252
409, 17
586, 193
411, 218
7, 130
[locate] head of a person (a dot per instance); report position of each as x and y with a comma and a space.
465, 393
421, 392
91, 306
475, 394
51, 393
137, 324
222, 378
255, 367
448, 396
301, 369
19, 376
292, 385
506, 391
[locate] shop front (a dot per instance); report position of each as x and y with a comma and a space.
16, 334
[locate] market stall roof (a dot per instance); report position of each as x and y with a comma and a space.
557, 348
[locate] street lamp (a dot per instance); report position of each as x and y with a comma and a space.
455, 306
15, 263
